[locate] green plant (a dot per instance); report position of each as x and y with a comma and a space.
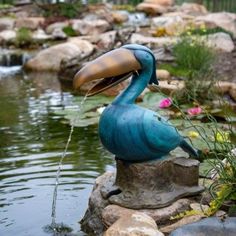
69, 31
23, 37
194, 58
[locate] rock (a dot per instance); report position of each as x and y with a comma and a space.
6, 23
152, 42
163, 74
220, 41
92, 221
169, 87
193, 9
7, 35
49, 59
171, 25
39, 35
58, 34
134, 224
223, 87
57, 25
224, 20
92, 27
32, 23
154, 184
161, 2
183, 221
112, 213
107, 40
119, 17
151, 9
212, 226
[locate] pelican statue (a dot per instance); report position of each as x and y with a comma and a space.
132, 133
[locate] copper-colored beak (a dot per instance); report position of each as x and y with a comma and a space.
113, 67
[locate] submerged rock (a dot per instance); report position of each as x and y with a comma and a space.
212, 226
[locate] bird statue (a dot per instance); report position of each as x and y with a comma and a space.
132, 133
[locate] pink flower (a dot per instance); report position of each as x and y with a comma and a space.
164, 103
194, 111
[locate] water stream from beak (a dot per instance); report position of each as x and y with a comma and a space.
54, 227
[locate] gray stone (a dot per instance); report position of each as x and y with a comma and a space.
57, 25
154, 184
224, 20
134, 224
220, 41
212, 226
90, 27
92, 221
6, 23
112, 213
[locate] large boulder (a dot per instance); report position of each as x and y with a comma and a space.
50, 59
155, 7
90, 27
193, 9
151, 9
32, 23
224, 20
134, 224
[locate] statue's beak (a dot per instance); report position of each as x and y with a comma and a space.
112, 67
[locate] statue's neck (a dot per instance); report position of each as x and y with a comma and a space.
135, 88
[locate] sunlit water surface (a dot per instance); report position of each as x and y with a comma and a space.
32, 140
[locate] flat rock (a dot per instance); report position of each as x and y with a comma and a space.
161, 2
193, 9
151, 8
90, 27
168, 86
134, 224
153, 41
29, 22
212, 226
49, 59
184, 221
112, 213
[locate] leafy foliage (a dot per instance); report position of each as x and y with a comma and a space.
23, 37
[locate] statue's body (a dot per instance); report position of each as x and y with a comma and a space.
132, 133
139, 137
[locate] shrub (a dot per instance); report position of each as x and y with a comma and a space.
194, 59
23, 37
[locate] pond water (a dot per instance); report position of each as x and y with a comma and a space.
32, 140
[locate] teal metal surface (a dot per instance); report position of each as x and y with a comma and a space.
135, 134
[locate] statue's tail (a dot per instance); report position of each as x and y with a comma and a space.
189, 149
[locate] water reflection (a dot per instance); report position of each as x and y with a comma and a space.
32, 141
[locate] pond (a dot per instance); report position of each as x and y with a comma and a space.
33, 137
